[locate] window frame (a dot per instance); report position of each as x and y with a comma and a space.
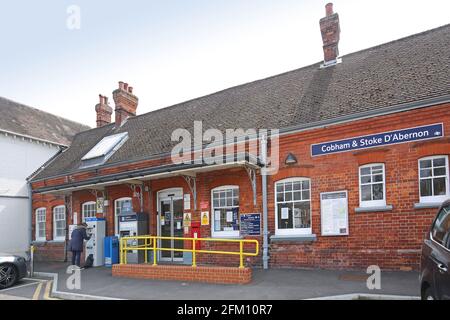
55, 237
293, 231
432, 230
224, 234
432, 198
37, 222
116, 216
83, 217
372, 203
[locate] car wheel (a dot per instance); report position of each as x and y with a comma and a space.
8, 275
428, 294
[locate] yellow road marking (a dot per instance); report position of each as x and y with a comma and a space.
47, 291
37, 292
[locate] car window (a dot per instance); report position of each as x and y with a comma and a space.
441, 228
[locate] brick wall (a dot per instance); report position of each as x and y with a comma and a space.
218, 275
389, 239
50, 251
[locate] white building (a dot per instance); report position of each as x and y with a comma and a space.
28, 139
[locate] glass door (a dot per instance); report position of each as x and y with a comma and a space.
165, 223
177, 212
171, 225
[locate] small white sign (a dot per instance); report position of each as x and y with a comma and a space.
284, 213
229, 216
100, 205
75, 218
187, 202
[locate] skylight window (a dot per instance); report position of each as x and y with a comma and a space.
104, 149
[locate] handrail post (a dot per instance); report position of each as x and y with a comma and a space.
194, 259
125, 251
154, 252
121, 250
241, 254
145, 251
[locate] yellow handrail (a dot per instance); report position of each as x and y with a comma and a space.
150, 243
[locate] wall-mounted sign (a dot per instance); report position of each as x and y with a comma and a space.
205, 218
334, 213
250, 224
204, 205
187, 201
187, 219
380, 139
100, 205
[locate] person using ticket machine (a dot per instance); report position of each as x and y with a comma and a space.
79, 234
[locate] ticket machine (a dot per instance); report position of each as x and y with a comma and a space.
133, 224
96, 230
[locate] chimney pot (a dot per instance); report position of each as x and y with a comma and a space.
330, 29
103, 111
126, 103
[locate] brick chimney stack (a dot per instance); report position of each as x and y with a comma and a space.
330, 29
104, 112
126, 102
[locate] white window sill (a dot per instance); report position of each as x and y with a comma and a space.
374, 209
227, 237
56, 241
428, 205
294, 238
39, 242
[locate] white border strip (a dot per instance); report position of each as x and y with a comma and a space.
377, 146
67, 295
367, 296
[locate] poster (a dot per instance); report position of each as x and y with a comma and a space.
284, 213
187, 202
100, 205
229, 216
187, 218
205, 218
217, 220
334, 213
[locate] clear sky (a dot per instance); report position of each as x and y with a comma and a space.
175, 50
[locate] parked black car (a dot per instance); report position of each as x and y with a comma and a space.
12, 269
435, 264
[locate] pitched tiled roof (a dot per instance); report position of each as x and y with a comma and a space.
27, 121
403, 71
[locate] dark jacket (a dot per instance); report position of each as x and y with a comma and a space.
78, 236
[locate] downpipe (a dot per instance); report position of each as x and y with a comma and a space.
263, 148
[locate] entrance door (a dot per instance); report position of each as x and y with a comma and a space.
171, 225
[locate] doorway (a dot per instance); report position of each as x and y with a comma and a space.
170, 208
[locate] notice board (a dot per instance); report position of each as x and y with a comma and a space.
250, 224
334, 213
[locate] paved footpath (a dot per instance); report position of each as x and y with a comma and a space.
275, 284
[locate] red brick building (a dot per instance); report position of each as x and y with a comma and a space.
363, 160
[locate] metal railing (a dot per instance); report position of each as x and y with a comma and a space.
152, 244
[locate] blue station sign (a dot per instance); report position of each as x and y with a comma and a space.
428, 132
250, 224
